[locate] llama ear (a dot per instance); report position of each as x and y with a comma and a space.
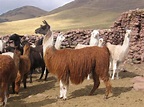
63, 38
45, 22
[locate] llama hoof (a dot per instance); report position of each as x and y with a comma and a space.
105, 97
60, 97
16, 92
45, 79
64, 99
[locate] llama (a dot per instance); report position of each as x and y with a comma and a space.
118, 53
93, 40
8, 74
24, 65
75, 64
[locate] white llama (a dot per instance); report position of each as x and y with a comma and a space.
93, 40
118, 53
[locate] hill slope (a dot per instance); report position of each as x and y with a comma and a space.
84, 14
24, 12
102, 5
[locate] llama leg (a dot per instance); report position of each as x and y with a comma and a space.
46, 74
88, 77
96, 83
117, 71
13, 87
108, 88
5, 99
110, 68
17, 83
63, 90
114, 69
43, 70
24, 80
31, 72
117, 75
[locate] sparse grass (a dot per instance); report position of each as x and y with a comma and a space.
82, 18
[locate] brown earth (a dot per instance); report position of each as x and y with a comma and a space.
45, 93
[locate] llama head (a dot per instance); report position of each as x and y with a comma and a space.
15, 37
43, 29
100, 42
128, 33
60, 37
95, 33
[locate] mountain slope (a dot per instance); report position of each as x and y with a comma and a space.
79, 14
24, 12
102, 5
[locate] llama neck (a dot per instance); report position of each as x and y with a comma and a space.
93, 41
58, 43
16, 57
47, 41
126, 41
26, 52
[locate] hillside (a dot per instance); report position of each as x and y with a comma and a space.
24, 12
79, 14
102, 5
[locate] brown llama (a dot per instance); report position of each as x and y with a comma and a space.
23, 68
75, 65
8, 73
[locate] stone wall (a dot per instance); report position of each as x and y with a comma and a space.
133, 19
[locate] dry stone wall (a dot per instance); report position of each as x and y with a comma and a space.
133, 19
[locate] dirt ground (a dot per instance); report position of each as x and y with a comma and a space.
45, 93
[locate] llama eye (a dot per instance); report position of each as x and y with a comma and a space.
43, 27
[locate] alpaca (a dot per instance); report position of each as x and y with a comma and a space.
24, 65
94, 39
75, 64
118, 53
8, 74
